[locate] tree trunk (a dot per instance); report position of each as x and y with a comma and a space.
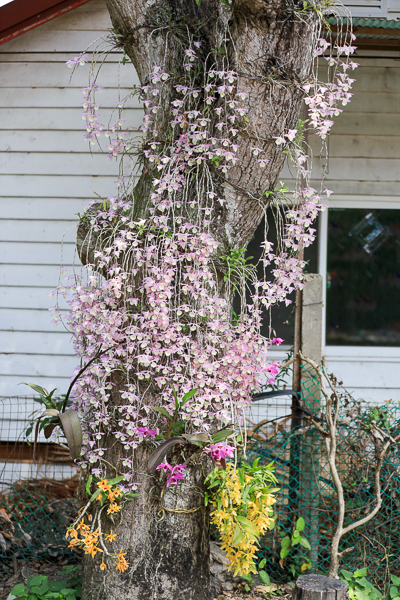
270, 46
166, 536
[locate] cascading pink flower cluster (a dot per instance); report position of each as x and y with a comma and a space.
157, 315
324, 100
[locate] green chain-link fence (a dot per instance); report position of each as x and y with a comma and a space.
38, 524
36, 499
40, 516
307, 490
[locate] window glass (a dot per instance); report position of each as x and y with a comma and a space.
363, 277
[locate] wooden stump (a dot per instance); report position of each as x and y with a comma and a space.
319, 587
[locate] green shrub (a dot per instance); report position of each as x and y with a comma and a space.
359, 588
40, 588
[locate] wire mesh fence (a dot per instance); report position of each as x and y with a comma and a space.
36, 498
307, 488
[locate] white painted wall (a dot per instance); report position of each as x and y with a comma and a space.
388, 9
47, 175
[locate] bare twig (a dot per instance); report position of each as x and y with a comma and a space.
332, 405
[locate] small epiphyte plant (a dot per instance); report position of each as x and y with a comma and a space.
55, 415
238, 265
290, 549
242, 499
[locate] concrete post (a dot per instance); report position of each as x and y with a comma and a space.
311, 346
311, 327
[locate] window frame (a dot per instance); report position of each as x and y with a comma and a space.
376, 202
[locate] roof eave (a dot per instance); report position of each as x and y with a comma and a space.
46, 15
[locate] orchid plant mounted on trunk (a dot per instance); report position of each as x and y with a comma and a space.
222, 85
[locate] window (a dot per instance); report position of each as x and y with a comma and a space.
363, 277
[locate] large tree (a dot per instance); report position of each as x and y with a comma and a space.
222, 85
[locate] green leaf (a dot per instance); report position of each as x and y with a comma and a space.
37, 580
245, 493
94, 496
296, 535
116, 479
347, 575
248, 525
395, 579
300, 524
237, 537
198, 2
37, 388
285, 543
18, 590
163, 411
88, 484
284, 552
176, 400
264, 577
57, 585
262, 563
178, 427
248, 578
190, 394
221, 435
360, 572
40, 591
394, 592
305, 543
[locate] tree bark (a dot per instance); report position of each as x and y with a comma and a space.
166, 535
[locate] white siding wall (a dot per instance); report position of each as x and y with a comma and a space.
47, 175
393, 7
388, 9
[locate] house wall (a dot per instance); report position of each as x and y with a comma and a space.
47, 176
393, 9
